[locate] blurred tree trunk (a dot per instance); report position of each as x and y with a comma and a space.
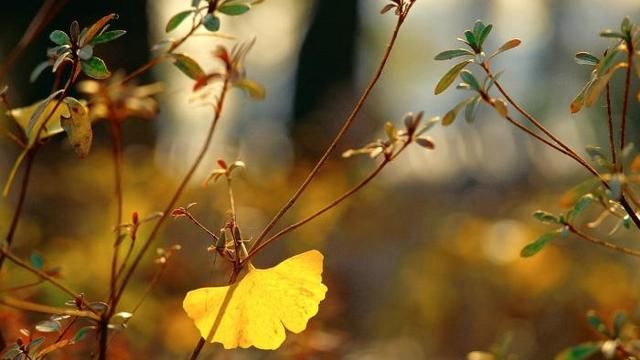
324, 81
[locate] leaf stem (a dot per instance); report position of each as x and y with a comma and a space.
606, 244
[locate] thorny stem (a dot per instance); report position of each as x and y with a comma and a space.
176, 195
568, 151
612, 143
625, 99
346, 125
603, 243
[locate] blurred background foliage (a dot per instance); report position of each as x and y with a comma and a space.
423, 264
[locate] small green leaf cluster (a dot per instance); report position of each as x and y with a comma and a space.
473, 53
207, 14
565, 220
78, 46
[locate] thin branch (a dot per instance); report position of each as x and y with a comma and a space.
606, 244
21, 199
625, 99
326, 208
45, 309
116, 150
39, 273
346, 125
158, 59
612, 143
176, 195
568, 151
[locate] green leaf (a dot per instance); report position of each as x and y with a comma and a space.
619, 319
477, 28
484, 34
468, 78
78, 126
534, 247
107, 36
450, 76
597, 323
608, 60
471, 39
59, 37
177, 19
579, 352
82, 333
612, 34
450, 54
36, 261
571, 197
211, 22
188, 66
95, 68
89, 33
234, 9
471, 109
585, 58
450, 116
545, 217
582, 204
252, 88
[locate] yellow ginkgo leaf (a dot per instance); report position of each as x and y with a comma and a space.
256, 310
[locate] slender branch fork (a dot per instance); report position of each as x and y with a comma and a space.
343, 130
565, 149
261, 241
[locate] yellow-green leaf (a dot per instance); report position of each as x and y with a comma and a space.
256, 310
450, 76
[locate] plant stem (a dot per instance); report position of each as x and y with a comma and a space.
567, 150
603, 243
176, 195
44, 276
625, 99
45, 309
345, 126
158, 59
328, 207
116, 149
612, 143
21, 199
